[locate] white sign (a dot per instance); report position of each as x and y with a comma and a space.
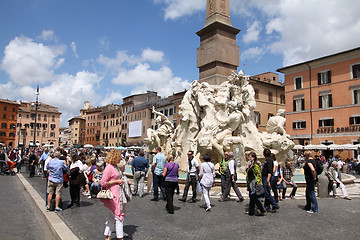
135, 129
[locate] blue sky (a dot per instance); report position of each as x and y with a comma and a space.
102, 51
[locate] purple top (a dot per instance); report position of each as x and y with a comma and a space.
171, 171
92, 168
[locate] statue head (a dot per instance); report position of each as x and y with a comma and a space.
280, 112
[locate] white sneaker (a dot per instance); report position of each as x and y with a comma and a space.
311, 211
208, 209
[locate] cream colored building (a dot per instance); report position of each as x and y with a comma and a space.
77, 131
111, 126
64, 137
47, 124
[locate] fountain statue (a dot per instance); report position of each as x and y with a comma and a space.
219, 118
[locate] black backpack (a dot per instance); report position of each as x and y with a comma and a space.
319, 167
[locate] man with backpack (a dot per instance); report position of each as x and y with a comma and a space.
311, 179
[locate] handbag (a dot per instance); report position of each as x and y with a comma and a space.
105, 194
259, 189
127, 189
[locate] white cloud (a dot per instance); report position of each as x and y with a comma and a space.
310, 29
69, 92
48, 35
253, 32
29, 62
7, 90
144, 78
152, 55
252, 53
297, 30
73, 48
177, 8
112, 97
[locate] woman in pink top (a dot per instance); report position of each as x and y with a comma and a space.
112, 180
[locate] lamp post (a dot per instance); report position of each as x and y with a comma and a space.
36, 108
19, 132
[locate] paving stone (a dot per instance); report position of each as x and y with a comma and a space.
226, 220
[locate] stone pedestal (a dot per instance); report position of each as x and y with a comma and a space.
323, 186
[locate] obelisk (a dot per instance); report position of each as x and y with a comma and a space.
218, 55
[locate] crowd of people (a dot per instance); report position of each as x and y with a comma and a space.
90, 171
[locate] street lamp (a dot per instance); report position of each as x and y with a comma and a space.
19, 132
36, 108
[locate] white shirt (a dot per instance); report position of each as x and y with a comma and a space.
194, 165
231, 166
48, 159
340, 163
78, 164
276, 164
207, 174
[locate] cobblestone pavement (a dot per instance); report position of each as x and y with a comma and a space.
19, 217
338, 218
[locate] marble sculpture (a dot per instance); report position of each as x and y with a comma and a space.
218, 118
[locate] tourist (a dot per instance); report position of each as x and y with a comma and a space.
335, 177
18, 161
275, 177
77, 179
158, 168
279, 185
56, 169
111, 180
207, 179
139, 168
231, 177
288, 176
2, 159
191, 179
171, 175
32, 163
222, 170
95, 186
266, 174
311, 179
42, 159
253, 178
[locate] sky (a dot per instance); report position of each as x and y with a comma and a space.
103, 50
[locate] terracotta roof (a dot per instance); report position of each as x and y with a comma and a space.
9, 101
42, 107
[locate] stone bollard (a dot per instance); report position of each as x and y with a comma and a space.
323, 185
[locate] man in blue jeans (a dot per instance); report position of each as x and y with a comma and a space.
266, 174
139, 168
158, 168
311, 178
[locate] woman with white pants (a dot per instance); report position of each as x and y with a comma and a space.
113, 179
207, 176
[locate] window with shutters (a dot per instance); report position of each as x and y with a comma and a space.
355, 70
282, 98
298, 83
326, 122
298, 103
325, 99
355, 94
270, 96
324, 77
300, 124
355, 120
